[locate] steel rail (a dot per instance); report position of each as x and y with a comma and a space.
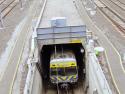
118, 15
16, 61
121, 2
39, 19
122, 29
118, 4
112, 76
2, 2
65, 90
111, 19
7, 8
62, 91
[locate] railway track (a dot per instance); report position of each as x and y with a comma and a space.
10, 75
7, 8
121, 28
114, 12
112, 20
66, 91
2, 1
112, 74
119, 3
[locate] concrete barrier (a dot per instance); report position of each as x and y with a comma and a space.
97, 80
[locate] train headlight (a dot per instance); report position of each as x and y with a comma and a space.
82, 50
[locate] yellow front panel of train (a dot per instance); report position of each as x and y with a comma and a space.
62, 64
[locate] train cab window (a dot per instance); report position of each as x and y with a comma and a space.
53, 71
61, 72
71, 71
57, 71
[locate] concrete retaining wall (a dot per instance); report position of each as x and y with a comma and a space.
37, 83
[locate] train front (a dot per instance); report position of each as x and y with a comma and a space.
63, 71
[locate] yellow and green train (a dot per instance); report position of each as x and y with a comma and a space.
63, 68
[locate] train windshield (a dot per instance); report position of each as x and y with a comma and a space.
64, 71
53, 71
58, 71
71, 71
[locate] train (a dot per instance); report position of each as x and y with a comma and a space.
63, 69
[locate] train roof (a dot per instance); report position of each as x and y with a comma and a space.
62, 55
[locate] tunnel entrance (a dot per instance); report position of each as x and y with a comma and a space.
46, 52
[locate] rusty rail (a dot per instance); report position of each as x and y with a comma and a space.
8, 8
121, 29
2, 2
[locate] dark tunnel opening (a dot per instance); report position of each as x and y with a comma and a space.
48, 49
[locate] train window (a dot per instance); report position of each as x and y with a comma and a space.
61, 71
64, 71
58, 71
71, 71
53, 71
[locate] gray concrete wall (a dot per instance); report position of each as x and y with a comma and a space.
97, 81
37, 83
